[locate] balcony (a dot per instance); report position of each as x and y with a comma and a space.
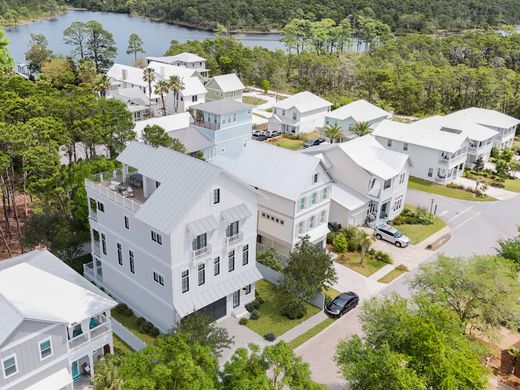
234, 239
98, 326
206, 124
197, 253
90, 274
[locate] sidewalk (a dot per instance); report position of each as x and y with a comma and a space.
306, 325
498, 193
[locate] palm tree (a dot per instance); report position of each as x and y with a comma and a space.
161, 88
149, 76
333, 132
107, 374
365, 241
176, 85
361, 128
101, 84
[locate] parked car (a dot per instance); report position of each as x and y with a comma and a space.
342, 304
259, 135
391, 234
313, 142
272, 133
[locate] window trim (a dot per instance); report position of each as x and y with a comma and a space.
127, 222
215, 194
160, 278
203, 269
49, 339
236, 294
104, 243
131, 260
245, 254
216, 263
248, 289
185, 274
15, 365
231, 255
119, 253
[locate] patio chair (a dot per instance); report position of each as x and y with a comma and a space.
114, 185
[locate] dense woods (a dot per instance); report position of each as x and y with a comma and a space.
14, 11
263, 15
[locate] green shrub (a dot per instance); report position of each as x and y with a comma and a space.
254, 315
123, 309
293, 309
382, 256
242, 321
146, 327
260, 301
330, 237
402, 267
270, 336
340, 243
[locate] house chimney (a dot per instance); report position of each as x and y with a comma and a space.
124, 73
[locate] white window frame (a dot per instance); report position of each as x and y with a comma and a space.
213, 196
323, 216
300, 228
312, 222
15, 365
131, 260
185, 275
49, 339
389, 142
302, 203
314, 198
160, 278
324, 193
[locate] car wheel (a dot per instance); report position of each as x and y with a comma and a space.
341, 314
398, 244
379, 237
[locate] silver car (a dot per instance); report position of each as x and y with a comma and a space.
391, 234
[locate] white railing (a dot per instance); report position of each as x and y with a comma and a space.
96, 249
100, 329
200, 252
78, 341
112, 195
440, 179
233, 239
90, 274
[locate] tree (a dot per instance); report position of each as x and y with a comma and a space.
176, 85
482, 290
270, 258
58, 72
178, 146
155, 136
86, 71
6, 61
510, 249
149, 76
365, 241
77, 36
266, 85
100, 45
38, 52
333, 132
107, 374
201, 329
102, 84
135, 45
479, 165
361, 128
340, 243
161, 88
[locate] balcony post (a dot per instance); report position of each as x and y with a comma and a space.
91, 364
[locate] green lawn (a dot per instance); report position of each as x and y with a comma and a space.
120, 346
351, 260
512, 185
270, 319
311, 333
437, 189
331, 292
255, 101
293, 144
418, 233
130, 323
391, 275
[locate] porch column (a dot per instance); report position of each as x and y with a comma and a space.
91, 365
378, 212
111, 344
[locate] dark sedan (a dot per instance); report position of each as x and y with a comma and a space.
313, 142
342, 304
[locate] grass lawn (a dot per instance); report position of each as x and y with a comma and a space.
120, 346
293, 144
255, 101
331, 292
418, 233
351, 260
130, 322
391, 275
311, 333
512, 185
270, 319
437, 189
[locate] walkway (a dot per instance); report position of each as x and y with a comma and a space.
124, 334
306, 325
498, 193
242, 336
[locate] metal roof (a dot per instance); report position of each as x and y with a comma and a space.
347, 197
228, 82
456, 124
237, 213
360, 111
10, 319
183, 57
167, 122
487, 117
203, 225
303, 101
222, 106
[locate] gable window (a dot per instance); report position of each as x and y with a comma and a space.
101, 207
402, 177
324, 193
156, 237
201, 271
216, 196
232, 229
158, 278
45, 348
388, 184
216, 266
430, 172
283, 112
127, 223
119, 254
9, 366
389, 143
405, 146
104, 243
231, 261
301, 204
294, 116
236, 298
185, 281
131, 260
315, 178
314, 198
194, 98
245, 255
200, 242
247, 289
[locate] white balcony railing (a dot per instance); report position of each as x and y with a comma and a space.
234, 239
112, 195
196, 253
102, 327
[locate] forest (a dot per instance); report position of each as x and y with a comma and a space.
265, 15
14, 11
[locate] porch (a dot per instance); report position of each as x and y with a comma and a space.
81, 333
82, 369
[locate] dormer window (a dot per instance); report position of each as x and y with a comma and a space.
315, 178
216, 196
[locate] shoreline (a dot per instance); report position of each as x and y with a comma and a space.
23, 22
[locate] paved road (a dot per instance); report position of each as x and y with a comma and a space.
476, 228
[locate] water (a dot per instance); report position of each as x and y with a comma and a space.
155, 35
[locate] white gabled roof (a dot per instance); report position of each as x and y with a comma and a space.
271, 168
168, 122
347, 197
228, 82
360, 111
133, 75
486, 117
166, 70
193, 86
407, 133
456, 124
39, 286
303, 102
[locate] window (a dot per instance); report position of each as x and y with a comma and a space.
157, 184
92, 204
185, 281
283, 112
388, 184
301, 204
45, 348
131, 260
201, 272
101, 207
324, 193
323, 216
216, 196
245, 255
9, 366
158, 278
294, 116
232, 229
194, 98
127, 223
315, 178
402, 178
234, 117
301, 228
200, 242
236, 298
312, 222
405, 146
119, 254
156, 237
430, 172
314, 198
216, 266
389, 143
231, 261
247, 289
104, 243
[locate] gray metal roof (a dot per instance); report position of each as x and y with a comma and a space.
10, 319
223, 106
192, 138
237, 213
203, 225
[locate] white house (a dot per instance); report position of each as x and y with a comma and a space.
356, 112
370, 182
54, 324
297, 191
504, 124
171, 235
437, 156
300, 113
137, 102
185, 59
226, 86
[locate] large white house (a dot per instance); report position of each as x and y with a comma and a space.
504, 124
370, 182
437, 156
54, 324
296, 190
185, 59
300, 113
356, 112
172, 234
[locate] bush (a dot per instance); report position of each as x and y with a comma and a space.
250, 307
293, 309
147, 327
402, 267
409, 217
330, 237
270, 336
327, 300
123, 309
254, 305
340, 243
259, 300
254, 315
382, 256
242, 321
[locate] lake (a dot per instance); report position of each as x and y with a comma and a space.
155, 35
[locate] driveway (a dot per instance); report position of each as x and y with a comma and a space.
242, 336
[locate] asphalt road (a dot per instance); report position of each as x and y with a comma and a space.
476, 228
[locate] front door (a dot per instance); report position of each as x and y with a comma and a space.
75, 370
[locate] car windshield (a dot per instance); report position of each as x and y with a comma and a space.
398, 234
340, 301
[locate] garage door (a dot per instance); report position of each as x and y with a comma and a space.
216, 309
